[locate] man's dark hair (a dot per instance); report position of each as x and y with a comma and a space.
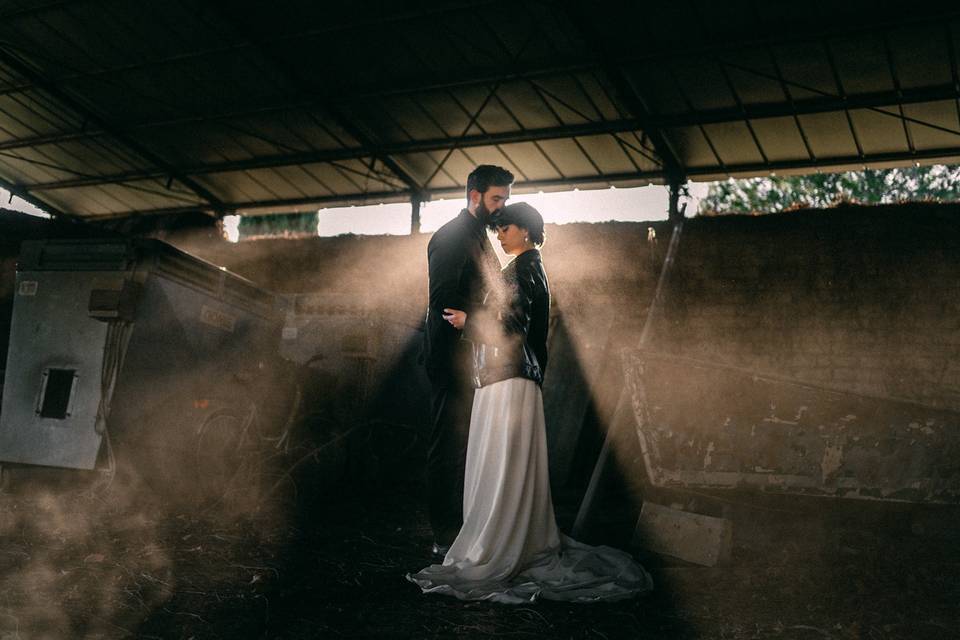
486, 176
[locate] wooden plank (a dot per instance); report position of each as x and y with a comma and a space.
699, 539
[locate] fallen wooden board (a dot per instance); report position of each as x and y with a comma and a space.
699, 539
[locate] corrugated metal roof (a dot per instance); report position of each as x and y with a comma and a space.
113, 108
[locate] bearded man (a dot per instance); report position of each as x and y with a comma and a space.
459, 258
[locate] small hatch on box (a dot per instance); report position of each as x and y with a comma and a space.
57, 388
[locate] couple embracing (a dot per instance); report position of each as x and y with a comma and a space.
485, 350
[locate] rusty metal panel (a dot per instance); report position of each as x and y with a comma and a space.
190, 337
704, 425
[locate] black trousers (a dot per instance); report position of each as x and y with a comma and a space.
447, 458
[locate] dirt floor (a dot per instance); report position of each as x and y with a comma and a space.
78, 563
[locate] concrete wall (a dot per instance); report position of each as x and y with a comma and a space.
858, 300
857, 305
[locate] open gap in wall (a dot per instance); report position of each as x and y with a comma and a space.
776, 193
632, 204
15, 203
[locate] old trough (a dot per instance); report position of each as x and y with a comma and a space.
706, 425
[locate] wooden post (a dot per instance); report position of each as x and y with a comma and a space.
624, 405
416, 202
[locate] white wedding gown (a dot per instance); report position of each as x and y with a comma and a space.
509, 549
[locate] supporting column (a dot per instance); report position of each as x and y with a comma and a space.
416, 202
623, 416
677, 184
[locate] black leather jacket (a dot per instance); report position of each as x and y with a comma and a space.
509, 333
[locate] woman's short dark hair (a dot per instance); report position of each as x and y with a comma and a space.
524, 216
486, 176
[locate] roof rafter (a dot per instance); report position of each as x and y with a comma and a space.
294, 77
827, 162
581, 20
22, 68
357, 153
533, 185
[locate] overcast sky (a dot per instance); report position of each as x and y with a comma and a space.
634, 204
599, 205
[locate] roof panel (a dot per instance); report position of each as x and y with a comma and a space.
422, 165
912, 49
530, 158
399, 119
601, 95
234, 186
27, 114
32, 165
143, 195
805, 67
606, 154
568, 158
780, 138
285, 90
754, 77
880, 132
692, 146
639, 150
522, 100
656, 81
702, 81
829, 134
566, 99
945, 118
862, 63
734, 143
85, 157
457, 166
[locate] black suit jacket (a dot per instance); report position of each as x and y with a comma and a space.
461, 265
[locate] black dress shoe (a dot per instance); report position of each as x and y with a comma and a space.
439, 551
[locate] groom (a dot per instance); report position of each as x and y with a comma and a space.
458, 255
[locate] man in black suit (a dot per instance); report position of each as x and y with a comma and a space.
461, 261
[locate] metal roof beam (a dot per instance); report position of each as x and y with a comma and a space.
282, 203
697, 118
580, 19
22, 68
533, 185
356, 153
394, 196
20, 192
834, 29
296, 79
825, 104
829, 163
841, 92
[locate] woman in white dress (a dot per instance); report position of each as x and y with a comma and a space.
509, 549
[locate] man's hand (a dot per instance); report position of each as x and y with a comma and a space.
455, 317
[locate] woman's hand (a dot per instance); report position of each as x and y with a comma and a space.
455, 317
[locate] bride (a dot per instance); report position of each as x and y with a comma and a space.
509, 549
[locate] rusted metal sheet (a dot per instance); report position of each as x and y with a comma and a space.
703, 425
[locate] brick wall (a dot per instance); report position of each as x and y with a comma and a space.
859, 299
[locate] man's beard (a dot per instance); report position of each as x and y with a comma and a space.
483, 214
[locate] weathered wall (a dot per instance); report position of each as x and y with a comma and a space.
861, 300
